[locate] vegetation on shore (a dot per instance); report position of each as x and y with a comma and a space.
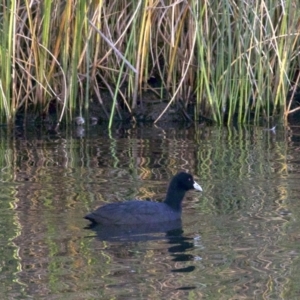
228, 58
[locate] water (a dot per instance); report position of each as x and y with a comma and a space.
239, 239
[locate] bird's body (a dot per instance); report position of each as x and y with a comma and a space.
137, 212
133, 212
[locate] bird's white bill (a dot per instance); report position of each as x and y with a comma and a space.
197, 186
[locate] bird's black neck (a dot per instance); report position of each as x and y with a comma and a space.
174, 198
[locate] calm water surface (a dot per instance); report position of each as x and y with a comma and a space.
239, 239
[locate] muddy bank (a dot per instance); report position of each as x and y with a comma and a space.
149, 109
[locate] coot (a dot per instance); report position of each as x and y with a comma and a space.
137, 212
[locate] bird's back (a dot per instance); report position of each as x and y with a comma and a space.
133, 212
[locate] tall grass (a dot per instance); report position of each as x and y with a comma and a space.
7, 60
231, 59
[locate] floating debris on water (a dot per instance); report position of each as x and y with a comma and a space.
79, 120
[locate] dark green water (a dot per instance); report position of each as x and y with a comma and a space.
239, 239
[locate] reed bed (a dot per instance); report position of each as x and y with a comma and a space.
230, 59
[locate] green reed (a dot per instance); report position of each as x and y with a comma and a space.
233, 59
7, 62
